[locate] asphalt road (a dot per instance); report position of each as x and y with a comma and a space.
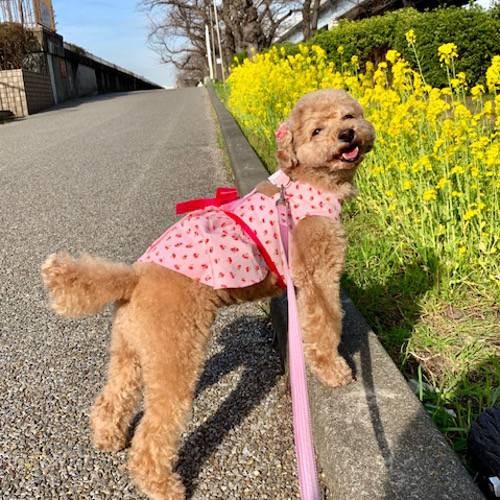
102, 175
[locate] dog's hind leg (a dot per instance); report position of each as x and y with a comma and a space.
116, 405
173, 334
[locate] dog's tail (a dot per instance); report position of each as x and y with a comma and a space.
85, 285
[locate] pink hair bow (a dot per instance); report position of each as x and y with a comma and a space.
282, 130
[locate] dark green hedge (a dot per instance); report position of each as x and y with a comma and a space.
475, 32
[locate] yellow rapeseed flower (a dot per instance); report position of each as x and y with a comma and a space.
470, 213
493, 75
430, 194
476, 91
392, 56
447, 52
442, 183
410, 37
433, 156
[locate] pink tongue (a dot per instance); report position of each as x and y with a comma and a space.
350, 155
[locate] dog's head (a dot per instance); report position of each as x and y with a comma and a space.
326, 131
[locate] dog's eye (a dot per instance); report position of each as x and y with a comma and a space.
316, 131
347, 117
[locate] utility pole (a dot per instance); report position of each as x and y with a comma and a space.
213, 43
220, 46
209, 55
21, 13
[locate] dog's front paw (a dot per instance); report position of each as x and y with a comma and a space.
109, 440
335, 373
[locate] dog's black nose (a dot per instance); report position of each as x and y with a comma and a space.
347, 135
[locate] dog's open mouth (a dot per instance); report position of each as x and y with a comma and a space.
349, 154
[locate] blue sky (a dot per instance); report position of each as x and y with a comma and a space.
115, 30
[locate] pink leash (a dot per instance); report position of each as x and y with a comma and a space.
306, 463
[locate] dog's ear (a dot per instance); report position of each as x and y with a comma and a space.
286, 153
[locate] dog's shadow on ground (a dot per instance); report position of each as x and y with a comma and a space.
247, 343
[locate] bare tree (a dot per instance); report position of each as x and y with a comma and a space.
241, 19
192, 73
251, 23
310, 15
178, 28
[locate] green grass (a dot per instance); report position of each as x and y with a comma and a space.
220, 144
452, 345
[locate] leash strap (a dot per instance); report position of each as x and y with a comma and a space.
306, 463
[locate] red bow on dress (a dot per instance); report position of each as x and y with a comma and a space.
223, 195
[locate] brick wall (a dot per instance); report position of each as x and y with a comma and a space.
12, 94
24, 92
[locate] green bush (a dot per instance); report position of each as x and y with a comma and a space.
475, 32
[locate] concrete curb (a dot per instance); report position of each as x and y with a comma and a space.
247, 169
373, 438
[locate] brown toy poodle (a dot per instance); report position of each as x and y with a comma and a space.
163, 317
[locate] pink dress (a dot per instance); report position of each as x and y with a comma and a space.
237, 244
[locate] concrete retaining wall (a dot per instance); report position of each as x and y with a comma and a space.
86, 81
62, 72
